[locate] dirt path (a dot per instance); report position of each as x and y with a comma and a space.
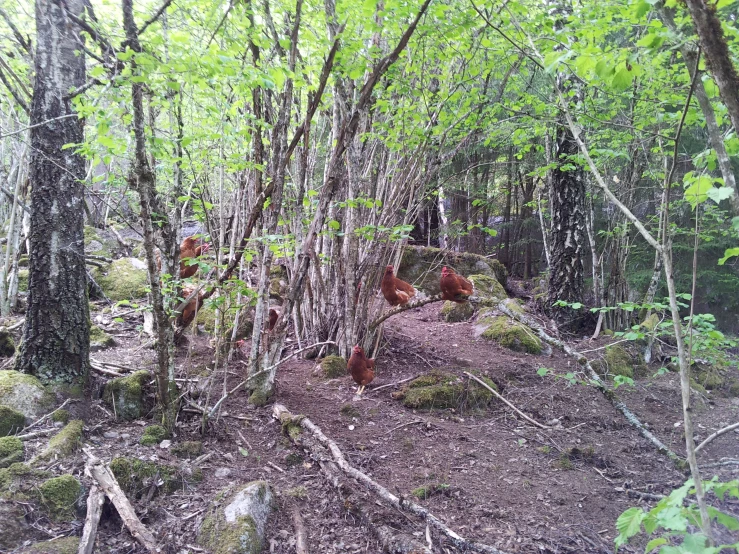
491, 477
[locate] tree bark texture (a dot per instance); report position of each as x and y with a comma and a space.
568, 222
56, 336
713, 44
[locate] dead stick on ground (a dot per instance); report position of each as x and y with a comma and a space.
94, 511
42, 418
301, 538
282, 414
506, 402
391, 384
96, 470
716, 435
595, 378
101, 369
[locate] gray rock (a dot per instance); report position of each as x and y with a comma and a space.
222, 472
24, 393
236, 525
110, 435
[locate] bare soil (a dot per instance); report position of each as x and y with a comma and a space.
495, 478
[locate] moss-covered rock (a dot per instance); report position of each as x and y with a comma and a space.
22, 280
709, 377
99, 339
488, 289
97, 244
333, 366
11, 421
124, 279
509, 334
421, 266
442, 390
277, 288
187, 449
15, 529
452, 312
136, 476
126, 394
615, 361
236, 524
59, 496
11, 451
24, 393
60, 416
64, 545
65, 442
153, 434
7, 344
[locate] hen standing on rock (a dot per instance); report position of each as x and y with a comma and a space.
361, 368
396, 291
454, 287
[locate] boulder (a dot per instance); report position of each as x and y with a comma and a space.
98, 243
508, 333
11, 451
24, 393
59, 495
488, 289
126, 394
443, 390
7, 344
615, 360
124, 279
11, 421
236, 522
99, 339
453, 312
421, 266
333, 366
15, 529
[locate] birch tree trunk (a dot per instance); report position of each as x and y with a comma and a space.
56, 337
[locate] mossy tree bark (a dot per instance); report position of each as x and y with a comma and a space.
56, 335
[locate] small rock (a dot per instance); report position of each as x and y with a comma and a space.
222, 472
110, 435
165, 444
125, 436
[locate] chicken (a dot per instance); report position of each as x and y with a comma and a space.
188, 312
190, 249
273, 315
454, 287
361, 368
396, 291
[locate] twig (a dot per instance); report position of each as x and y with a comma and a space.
409, 306
278, 468
506, 402
392, 384
96, 470
42, 418
405, 425
35, 434
716, 435
94, 511
282, 414
111, 364
104, 371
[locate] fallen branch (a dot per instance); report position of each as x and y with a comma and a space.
101, 369
716, 435
369, 391
260, 373
35, 434
43, 418
397, 309
96, 470
282, 414
301, 537
111, 364
94, 511
506, 402
607, 392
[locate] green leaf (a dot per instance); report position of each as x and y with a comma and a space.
622, 79
717, 194
602, 69
243, 451
697, 193
333, 224
629, 524
542, 372
651, 545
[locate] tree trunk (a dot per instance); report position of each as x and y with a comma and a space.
56, 339
713, 44
568, 223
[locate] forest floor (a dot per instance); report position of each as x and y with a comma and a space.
491, 476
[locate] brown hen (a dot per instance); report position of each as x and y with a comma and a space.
396, 291
454, 287
361, 368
